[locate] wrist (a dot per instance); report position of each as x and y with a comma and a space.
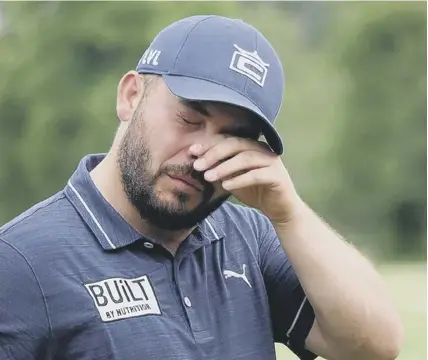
294, 210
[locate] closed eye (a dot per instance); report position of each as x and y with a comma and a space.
183, 119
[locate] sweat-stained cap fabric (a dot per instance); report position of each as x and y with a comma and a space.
213, 58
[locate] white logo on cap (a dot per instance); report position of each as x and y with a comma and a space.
150, 57
249, 64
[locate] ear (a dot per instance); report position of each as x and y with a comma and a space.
129, 93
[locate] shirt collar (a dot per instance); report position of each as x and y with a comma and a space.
108, 226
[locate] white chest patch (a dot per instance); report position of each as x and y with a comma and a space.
120, 298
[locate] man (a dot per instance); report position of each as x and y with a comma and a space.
141, 256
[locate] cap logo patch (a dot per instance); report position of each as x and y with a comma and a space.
150, 57
249, 64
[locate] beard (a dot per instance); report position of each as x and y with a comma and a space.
139, 184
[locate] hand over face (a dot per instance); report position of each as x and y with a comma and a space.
251, 172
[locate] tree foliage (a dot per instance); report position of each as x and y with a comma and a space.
381, 152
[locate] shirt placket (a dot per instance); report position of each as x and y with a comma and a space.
187, 297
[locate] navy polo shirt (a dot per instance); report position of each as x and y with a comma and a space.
78, 282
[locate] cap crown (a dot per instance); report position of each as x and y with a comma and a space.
224, 51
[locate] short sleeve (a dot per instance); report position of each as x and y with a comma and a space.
291, 312
24, 328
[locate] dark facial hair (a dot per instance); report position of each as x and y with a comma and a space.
139, 184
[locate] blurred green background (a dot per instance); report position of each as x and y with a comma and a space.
353, 118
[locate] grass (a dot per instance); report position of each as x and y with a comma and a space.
407, 284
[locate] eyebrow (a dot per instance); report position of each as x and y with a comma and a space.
196, 106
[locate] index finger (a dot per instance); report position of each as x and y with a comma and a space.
210, 155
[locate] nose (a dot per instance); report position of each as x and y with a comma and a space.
192, 157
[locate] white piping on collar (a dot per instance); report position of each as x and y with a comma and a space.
212, 230
91, 214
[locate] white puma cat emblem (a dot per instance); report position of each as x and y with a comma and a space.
228, 273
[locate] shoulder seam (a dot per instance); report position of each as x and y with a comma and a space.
38, 285
7, 228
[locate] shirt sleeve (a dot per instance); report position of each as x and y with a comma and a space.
291, 312
24, 327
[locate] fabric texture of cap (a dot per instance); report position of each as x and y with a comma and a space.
214, 58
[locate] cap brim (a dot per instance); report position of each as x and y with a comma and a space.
204, 90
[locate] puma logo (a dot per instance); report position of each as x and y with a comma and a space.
228, 274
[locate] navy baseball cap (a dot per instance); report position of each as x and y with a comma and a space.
214, 58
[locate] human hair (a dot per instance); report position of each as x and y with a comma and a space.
148, 81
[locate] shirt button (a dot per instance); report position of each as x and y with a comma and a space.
148, 245
187, 302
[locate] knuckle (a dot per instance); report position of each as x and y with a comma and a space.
257, 176
245, 157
